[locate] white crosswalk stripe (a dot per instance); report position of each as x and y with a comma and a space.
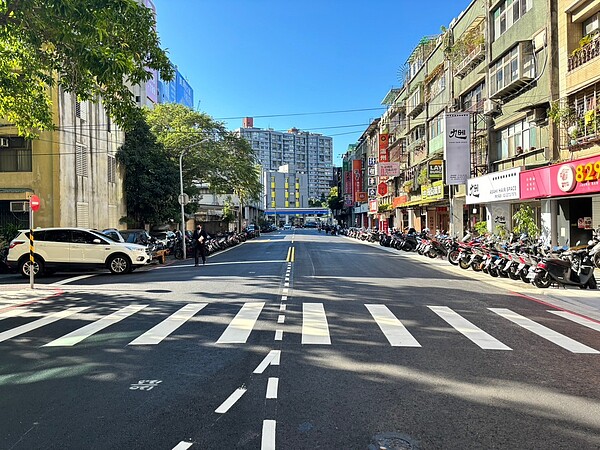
9, 334
392, 328
577, 319
242, 324
85, 332
315, 329
159, 332
559, 339
315, 325
470, 331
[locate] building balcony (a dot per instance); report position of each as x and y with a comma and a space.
585, 54
472, 60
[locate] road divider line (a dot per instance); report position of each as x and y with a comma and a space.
70, 339
231, 400
281, 318
73, 279
242, 324
268, 435
293, 254
553, 336
282, 307
272, 387
289, 253
284, 298
183, 445
394, 331
315, 329
470, 331
272, 359
40, 323
160, 331
278, 335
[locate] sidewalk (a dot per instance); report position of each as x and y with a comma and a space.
585, 302
12, 295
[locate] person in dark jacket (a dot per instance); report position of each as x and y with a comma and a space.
199, 239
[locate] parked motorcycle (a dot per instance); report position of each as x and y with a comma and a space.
575, 268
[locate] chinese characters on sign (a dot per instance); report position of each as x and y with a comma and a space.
457, 147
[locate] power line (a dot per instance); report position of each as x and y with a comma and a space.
302, 114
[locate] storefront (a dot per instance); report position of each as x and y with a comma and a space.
570, 198
498, 192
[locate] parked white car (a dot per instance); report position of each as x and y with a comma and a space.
74, 249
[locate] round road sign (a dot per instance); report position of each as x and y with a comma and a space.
34, 203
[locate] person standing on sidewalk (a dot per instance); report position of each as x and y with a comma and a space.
199, 239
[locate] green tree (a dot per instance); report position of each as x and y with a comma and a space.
151, 178
334, 201
227, 162
524, 219
87, 47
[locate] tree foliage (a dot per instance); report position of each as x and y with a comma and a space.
334, 201
225, 161
151, 178
87, 47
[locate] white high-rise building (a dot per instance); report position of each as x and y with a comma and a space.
308, 153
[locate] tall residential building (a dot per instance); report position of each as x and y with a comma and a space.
309, 153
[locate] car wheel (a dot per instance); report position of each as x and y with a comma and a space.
25, 267
119, 264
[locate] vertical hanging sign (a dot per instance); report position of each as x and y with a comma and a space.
457, 148
357, 177
384, 155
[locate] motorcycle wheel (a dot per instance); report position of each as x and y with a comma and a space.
432, 254
493, 271
179, 253
463, 264
477, 265
591, 284
542, 280
502, 273
453, 257
513, 275
524, 278
597, 260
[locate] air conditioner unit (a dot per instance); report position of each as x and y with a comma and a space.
4, 142
19, 207
537, 116
490, 107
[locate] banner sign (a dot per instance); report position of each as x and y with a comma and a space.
494, 187
433, 191
384, 155
357, 176
382, 189
372, 192
360, 197
371, 161
571, 178
373, 206
388, 169
348, 200
399, 201
435, 169
457, 148
348, 182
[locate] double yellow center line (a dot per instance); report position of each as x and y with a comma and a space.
290, 254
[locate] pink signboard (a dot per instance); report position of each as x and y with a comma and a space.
570, 178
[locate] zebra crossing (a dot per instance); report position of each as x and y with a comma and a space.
315, 327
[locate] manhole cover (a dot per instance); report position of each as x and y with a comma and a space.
392, 441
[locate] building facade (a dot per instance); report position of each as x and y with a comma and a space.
308, 153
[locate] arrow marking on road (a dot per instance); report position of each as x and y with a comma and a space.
272, 359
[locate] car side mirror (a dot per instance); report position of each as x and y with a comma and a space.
97, 241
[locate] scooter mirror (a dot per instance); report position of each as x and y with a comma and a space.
578, 242
590, 242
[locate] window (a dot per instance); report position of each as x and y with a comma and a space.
15, 154
507, 13
473, 98
515, 139
81, 237
81, 160
591, 25
57, 236
515, 66
112, 169
436, 126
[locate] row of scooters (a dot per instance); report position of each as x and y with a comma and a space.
214, 243
517, 258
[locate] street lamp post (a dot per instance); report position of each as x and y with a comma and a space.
181, 196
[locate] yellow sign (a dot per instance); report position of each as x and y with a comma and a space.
433, 191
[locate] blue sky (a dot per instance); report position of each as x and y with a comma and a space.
284, 57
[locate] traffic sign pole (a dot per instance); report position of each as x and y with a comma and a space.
31, 249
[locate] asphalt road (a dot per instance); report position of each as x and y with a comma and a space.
295, 340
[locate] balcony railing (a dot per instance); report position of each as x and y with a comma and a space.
585, 54
471, 61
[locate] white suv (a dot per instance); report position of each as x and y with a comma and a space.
74, 248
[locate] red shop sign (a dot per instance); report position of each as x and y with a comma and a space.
571, 178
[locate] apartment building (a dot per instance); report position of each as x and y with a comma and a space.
309, 153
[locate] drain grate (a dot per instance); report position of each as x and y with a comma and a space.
392, 441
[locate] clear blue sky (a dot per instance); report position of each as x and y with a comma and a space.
280, 57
